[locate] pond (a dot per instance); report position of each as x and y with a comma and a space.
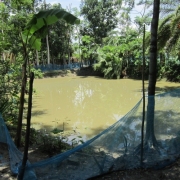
85, 105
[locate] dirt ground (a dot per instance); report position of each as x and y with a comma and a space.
171, 172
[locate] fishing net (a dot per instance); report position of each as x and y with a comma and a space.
119, 146
15, 156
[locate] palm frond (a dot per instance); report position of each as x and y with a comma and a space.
174, 39
165, 21
164, 35
175, 22
168, 7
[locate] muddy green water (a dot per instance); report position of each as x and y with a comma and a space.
86, 105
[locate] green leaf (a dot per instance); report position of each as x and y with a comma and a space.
35, 43
37, 27
48, 17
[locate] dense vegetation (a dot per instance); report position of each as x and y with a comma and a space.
108, 39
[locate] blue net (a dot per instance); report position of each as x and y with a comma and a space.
15, 156
54, 67
119, 146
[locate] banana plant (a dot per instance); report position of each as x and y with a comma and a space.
35, 30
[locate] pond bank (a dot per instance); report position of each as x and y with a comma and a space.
85, 71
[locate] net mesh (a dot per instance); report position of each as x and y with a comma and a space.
15, 156
116, 148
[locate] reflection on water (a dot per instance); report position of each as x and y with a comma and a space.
81, 93
84, 105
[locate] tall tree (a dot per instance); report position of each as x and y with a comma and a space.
57, 40
101, 16
153, 48
4, 15
47, 41
150, 139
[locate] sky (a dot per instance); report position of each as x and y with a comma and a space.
76, 3
66, 3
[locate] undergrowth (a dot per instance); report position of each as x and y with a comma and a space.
45, 142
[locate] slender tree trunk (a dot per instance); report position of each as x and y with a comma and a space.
80, 59
25, 157
42, 58
22, 95
64, 60
3, 54
48, 52
47, 41
150, 136
79, 41
37, 57
69, 58
68, 43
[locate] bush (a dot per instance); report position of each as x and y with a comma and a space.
49, 144
109, 63
37, 73
9, 89
171, 70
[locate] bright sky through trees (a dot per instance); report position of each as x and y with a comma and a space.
66, 3
76, 3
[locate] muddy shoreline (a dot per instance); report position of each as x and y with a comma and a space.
85, 71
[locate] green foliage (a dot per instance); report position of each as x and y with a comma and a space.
20, 5
47, 143
109, 62
101, 16
9, 89
169, 31
128, 51
16, 24
168, 44
4, 16
171, 70
89, 49
52, 144
37, 73
57, 131
38, 26
59, 39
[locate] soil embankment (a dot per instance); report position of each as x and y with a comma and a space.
84, 71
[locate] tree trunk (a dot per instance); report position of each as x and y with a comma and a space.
69, 58
3, 54
42, 58
153, 48
21, 105
48, 52
37, 58
150, 136
47, 41
25, 156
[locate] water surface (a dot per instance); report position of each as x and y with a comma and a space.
86, 105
